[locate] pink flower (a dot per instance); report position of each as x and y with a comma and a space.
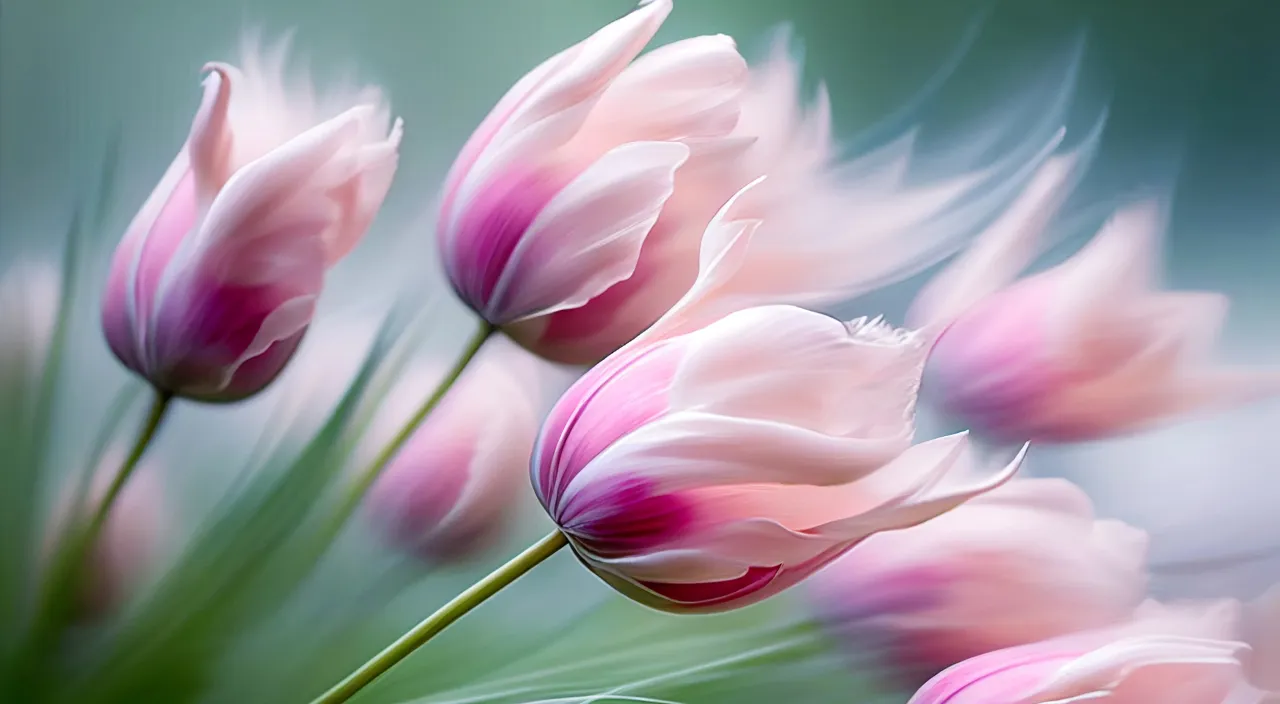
1167, 658
1026, 562
217, 277
1088, 349
130, 539
709, 470
572, 218
451, 489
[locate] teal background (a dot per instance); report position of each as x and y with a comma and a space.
1191, 90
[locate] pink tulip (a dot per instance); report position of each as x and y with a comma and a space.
573, 216
1026, 562
216, 279
451, 489
1088, 349
709, 470
1164, 659
130, 539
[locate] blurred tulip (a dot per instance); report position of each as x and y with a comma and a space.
130, 539
1090, 348
1022, 563
572, 217
216, 279
451, 488
29, 297
1165, 659
710, 470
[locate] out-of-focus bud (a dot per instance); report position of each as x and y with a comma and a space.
1168, 658
215, 281
130, 539
29, 297
572, 217
710, 470
1090, 348
1023, 563
451, 489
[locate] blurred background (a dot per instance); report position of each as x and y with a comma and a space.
1191, 90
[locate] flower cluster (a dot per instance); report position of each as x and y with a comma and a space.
671, 222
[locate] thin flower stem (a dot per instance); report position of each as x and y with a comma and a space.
66, 572
475, 595
370, 473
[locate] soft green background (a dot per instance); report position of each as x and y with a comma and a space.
1192, 89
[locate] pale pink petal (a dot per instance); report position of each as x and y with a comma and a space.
269, 187
371, 169
589, 235
684, 90
210, 141
553, 110
724, 247
1004, 249
839, 378
1207, 668
1117, 266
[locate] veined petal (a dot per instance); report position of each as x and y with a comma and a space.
589, 235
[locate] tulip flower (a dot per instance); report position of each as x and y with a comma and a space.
1023, 563
129, 541
711, 469
1167, 659
451, 488
572, 217
216, 279
1088, 349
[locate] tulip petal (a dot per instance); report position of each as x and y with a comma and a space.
588, 237
723, 249
209, 143
1117, 266
690, 449
686, 89
1004, 249
558, 101
265, 189
1185, 666
840, 378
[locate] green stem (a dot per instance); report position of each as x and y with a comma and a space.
66, 571
370, 473
475, 595
155, 415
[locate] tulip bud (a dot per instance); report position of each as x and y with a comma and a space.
709, 470
1023, 563
450, 490
572, 218
129, 541
215, 281
1166, 658
1090, 348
